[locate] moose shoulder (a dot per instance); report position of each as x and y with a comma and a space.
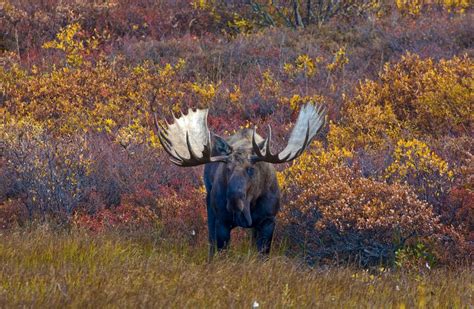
242, 189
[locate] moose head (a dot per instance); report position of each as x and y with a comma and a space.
242, 189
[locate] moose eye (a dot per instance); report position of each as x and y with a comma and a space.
250, 171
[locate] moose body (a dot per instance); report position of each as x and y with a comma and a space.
241, 184
241, 194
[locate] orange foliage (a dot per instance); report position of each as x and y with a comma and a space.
332, 207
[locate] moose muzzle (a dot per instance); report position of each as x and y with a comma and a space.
242, 207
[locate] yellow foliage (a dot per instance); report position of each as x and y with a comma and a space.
303, 65
203, 4
415, 7
429, 97
207, 6
240, 24
340, 60
412, 7
206, 91
270, 86
302, 170
415, 157
101, 97
457, 5
365, 125
67, 40
135, 134
415, 164
296, 100
414, 96
236, 95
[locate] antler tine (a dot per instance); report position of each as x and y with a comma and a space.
193, 155
268, 141
255, 147
166, 145
155, 120
306, 138
309, 122
305, 143
178, 159
163, 135
267, 156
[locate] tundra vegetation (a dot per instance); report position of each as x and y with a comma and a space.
378, 210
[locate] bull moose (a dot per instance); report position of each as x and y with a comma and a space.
241, 184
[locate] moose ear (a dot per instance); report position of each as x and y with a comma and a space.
221, 146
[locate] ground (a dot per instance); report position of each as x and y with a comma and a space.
41, 267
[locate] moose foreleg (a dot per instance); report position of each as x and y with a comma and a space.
211, 229
222, 236
268, 206
264, 235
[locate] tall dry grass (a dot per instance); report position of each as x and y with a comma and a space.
44, 268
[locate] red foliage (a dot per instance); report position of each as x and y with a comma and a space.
182, 215
124, 217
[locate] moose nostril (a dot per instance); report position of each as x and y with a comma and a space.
235, 195
235, 201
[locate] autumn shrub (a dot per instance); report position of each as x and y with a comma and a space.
13, 213
125, 217
50, 174
83, 95
415, 8
385, 122
414, 97
28, 24
163, 212
366, 125
459, 211
332, 211
457, 207
301, 14
430, 97
118, 169
68, 100
414, 163
183, 216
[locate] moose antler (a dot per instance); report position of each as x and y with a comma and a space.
188, 140
309, 122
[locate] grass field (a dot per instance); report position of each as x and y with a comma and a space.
43, 268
